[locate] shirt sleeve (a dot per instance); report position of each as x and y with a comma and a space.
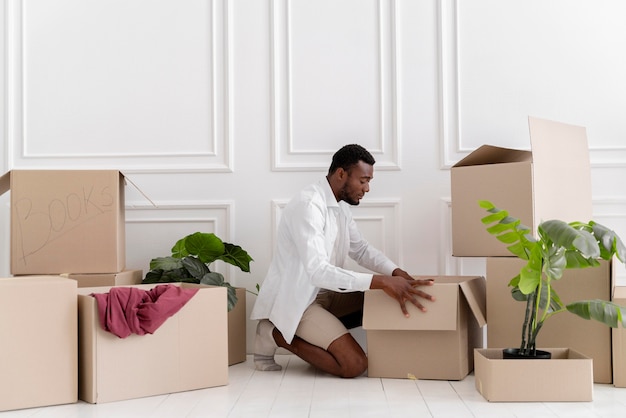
367, 255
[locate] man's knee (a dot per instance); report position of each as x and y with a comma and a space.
355, 367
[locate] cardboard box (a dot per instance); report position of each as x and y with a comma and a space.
66, 221
437, 344
189, 351
38, 342
237, 329
566, 377
123, 278
619, 343
505, 315
521, 182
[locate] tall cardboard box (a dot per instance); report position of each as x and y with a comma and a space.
619, 343
123, 278
38, 342
566, 377
66, 221
505, 315
437, 344
189, 351
521, 182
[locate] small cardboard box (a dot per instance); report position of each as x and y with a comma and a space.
566, 377
521, 182
189, 351
237, 329
437, 344
38, 342
66, 221
619, 343
123, 278
505, 315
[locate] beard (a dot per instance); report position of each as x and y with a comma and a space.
345, 196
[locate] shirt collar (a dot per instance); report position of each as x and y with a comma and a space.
329, 196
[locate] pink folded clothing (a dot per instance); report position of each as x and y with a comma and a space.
129, 310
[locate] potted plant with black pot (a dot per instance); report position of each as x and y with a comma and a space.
190, 262
557, 246
514, 374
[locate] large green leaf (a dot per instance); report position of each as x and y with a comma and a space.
179, 250
207, 246
195, 267
608, 313
564, 235
610, 243
165, 263
237, 256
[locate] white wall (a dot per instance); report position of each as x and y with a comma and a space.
220, 110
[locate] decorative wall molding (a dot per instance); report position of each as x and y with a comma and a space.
451, 132
382, 216
289, 152
215, 155
151, 231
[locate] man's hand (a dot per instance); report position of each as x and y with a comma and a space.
403, 288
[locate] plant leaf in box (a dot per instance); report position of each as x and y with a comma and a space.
165, 263
207, 246
237, 256
606, 312
179, 250
610, 243
195, 267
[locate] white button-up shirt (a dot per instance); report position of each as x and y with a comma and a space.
314, 229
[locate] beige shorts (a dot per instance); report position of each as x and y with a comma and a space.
320, 324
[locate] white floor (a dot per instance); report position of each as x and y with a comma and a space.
299, 391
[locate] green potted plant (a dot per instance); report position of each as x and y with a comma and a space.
190, 260
557, 246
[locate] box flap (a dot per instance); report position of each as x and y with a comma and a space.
475, 292
560, 157
127, 179
381, 312
489, 154
5, 182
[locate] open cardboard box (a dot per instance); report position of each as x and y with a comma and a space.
189, 351
566, 377
437, 344
619, 343
38, 342
66, 221
521, 182
505, 315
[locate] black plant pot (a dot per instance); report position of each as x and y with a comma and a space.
513, 353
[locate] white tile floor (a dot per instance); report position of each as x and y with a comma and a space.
299, 391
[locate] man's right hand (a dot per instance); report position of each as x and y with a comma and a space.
403, 290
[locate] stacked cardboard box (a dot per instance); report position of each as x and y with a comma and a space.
71, 223
552, 181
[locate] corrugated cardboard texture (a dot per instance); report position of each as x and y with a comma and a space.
433, 345
67, 221
619, 343
553, 380
124, 278
189, 351
522, 185
505, 315
237, 329
38, 342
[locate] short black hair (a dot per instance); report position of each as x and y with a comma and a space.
349, 155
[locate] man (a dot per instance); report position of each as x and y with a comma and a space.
307, 292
